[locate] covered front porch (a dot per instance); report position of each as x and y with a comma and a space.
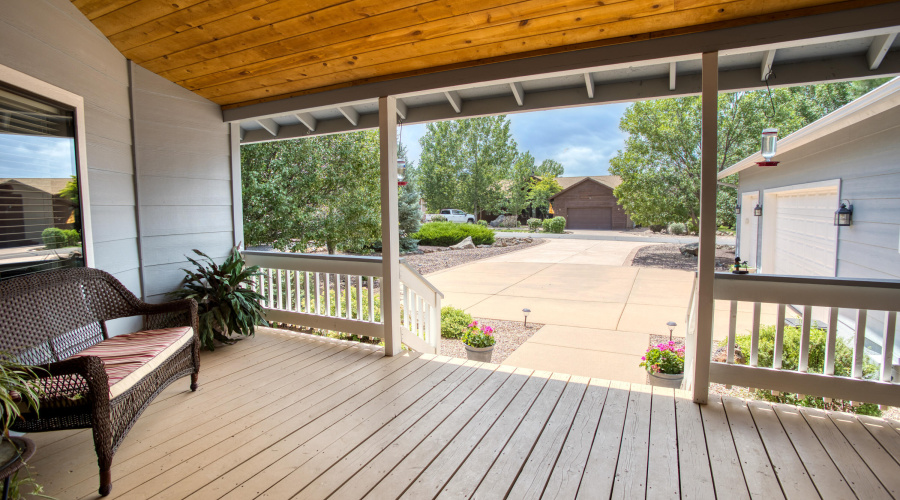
286, 415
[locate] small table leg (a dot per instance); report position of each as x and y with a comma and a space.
6, 488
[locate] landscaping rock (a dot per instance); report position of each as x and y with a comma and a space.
690, 249
720, 355
465, 244
484, 246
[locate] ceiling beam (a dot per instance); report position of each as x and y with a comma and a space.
845, 68
402, 110
589, 84
518, 92
880, 46
350, 114
766, 67
455, 100
309, 120
672, 74
269, 125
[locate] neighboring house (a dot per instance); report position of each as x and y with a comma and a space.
589, 203
851, 154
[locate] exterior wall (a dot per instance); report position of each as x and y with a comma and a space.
591, 194
865, 159
52, 41
182, 148
179, 171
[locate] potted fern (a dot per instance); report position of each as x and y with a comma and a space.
227, 305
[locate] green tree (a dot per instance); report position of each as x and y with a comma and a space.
540, 193
463, 162
519, 183
410, 217
660, 164
321, 190
550, 168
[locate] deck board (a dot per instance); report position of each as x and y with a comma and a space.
287, 415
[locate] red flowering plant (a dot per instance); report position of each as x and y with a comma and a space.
478, 336
664, 358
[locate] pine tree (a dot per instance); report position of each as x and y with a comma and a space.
410, 217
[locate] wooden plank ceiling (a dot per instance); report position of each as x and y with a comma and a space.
239, 52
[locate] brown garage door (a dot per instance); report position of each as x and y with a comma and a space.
589, 218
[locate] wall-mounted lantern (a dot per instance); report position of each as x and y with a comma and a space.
769, 144
757, 210
844, 215
737, 210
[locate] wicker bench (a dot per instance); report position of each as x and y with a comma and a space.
57, 321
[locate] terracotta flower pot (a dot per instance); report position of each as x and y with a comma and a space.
479, 353
670, 380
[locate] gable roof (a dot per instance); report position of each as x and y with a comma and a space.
884, 98
569, 183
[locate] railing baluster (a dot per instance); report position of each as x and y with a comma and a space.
887, 346
831, 340
278, 294
420, 319
306, 291
327, 294
803, 363
269, 287
297, 291
405, 306
371, 298
337, 295
318, 295
347, 293
778, 354
732, 327
414, 313
289, 305
359, 298
860, 343
754, 335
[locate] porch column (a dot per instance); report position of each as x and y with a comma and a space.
707, 251
390, 225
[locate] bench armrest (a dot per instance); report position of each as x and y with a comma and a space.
83, 375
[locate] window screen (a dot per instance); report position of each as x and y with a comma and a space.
40, 216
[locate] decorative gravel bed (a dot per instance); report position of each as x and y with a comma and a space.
509, 334
668, 256
437, 261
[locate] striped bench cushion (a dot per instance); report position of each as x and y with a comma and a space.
128, 358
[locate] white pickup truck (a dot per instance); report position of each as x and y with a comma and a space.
453, 215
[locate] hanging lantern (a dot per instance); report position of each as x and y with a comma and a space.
769, 143
401, 172
844, 215
757, 210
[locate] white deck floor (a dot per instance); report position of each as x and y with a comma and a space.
284, 415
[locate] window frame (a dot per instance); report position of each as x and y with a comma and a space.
30, 85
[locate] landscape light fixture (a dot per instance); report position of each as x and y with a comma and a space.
401, 172
757, 210
844, 215
769, 144
671, 325
525, 312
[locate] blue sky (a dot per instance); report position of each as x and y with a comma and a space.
582, 139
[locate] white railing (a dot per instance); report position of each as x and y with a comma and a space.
341, 294
861, 300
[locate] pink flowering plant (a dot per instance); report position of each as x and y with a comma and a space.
478, 336
666, 357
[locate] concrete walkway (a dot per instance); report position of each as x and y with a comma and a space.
598, 315
612, 235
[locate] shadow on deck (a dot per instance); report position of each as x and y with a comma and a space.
284, 415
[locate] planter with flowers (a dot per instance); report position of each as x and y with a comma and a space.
479, 341
665, 364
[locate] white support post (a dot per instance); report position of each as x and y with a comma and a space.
707, 252
390, 225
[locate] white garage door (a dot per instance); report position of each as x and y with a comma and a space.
805, 234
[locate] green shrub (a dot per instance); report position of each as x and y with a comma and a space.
73, 237
454, 322
444, 234
53, 238
843, 364
534, 224
438, 218
482, 223
545, 225
555, 225
677, 228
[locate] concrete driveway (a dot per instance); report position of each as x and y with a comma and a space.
598, 315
